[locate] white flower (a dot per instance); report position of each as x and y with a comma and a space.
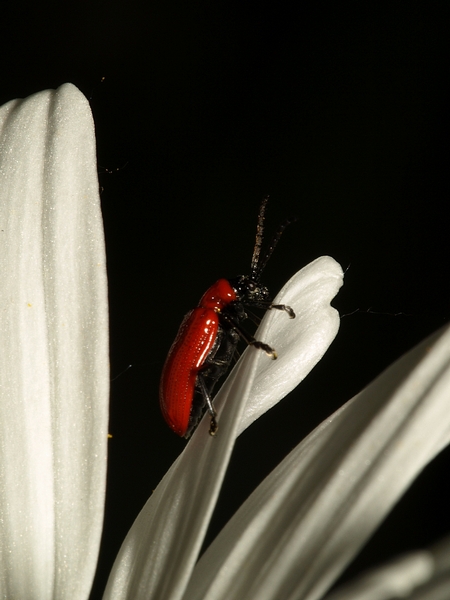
299, 529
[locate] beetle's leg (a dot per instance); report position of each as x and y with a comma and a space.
249, 339
284, 307
213, 425
269, 306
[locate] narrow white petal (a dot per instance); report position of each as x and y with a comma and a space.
308, 519
157, 557
53, 355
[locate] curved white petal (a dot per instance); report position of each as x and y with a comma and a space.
300, 343
308, 519
54, 348
159, 553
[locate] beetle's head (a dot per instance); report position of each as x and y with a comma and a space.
249, 291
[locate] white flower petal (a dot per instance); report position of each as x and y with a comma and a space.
302, 342
159, 553
308, 519
54, 350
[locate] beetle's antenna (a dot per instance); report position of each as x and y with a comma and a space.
273, 244
254, 268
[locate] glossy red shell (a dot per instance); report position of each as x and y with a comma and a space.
188, 354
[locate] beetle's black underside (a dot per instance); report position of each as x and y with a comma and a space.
215, 367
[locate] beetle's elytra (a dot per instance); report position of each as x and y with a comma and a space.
207, 340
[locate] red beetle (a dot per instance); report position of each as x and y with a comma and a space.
207, 340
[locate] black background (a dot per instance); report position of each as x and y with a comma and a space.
341, 113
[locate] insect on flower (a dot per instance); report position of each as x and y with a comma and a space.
208, 337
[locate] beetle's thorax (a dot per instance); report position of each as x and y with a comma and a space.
218, 296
